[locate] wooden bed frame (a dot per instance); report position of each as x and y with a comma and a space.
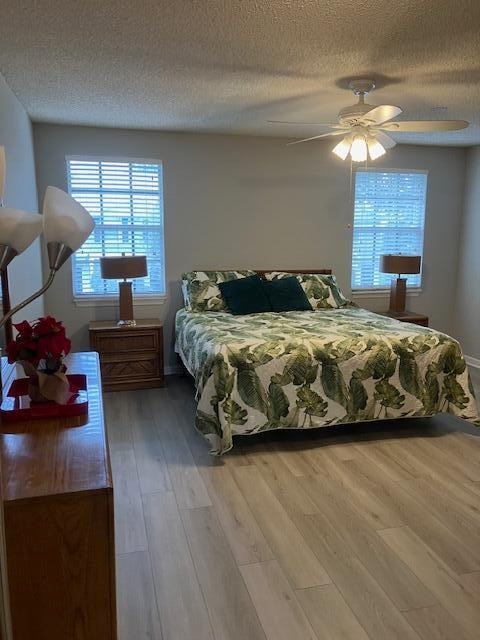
325, 272
262, 272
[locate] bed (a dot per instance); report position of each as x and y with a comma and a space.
304, 369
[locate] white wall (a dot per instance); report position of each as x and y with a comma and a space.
24, 272
467, 304
235, 201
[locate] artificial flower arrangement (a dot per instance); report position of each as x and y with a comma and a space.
40, 348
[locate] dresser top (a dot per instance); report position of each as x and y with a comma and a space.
45, 457
111, 325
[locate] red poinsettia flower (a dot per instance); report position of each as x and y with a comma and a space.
24, 328
47, 325
22, 350
44, 340
53, 345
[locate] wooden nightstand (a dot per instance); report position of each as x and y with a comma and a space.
130, 357
407, 316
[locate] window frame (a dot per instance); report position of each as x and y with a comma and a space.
380, 291
106, 299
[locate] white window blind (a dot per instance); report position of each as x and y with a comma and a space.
125, 198
389, 217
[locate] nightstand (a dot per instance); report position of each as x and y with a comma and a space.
130, 357
406, 316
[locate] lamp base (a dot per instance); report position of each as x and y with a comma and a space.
398, 294
126, 302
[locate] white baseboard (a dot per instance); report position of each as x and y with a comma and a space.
173, 370
472, 362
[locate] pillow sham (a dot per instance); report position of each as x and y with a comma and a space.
286, 294
245, 295
200, 288
321, 290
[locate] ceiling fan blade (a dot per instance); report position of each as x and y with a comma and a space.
385, 141
334, 125
322, 135
425, 125
381, 114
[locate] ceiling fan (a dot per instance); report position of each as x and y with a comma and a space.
365, 127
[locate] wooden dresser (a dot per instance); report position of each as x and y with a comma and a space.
130, 357
59, 531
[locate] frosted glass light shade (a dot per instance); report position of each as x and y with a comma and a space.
18, 229
65, 221
342, 148
358, 150
375, 148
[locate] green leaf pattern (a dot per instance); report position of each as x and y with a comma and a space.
315, 368
321, 290
201, 292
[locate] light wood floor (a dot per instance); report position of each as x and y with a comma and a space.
366, 532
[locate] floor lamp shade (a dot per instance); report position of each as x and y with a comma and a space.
394, 263
18, 229
121, 268
66, 225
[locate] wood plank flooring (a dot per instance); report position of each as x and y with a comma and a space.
367, 532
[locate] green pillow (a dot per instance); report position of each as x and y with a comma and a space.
201, 292
321, 290
286, 294
245, 295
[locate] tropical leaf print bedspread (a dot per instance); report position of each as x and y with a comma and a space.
311, 369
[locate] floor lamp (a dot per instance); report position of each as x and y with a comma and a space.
65, 224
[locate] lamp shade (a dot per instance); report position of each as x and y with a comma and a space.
391, 263
65, 221
118, 267
18, 229
2, 172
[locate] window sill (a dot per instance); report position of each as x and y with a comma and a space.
112, 301
382, 293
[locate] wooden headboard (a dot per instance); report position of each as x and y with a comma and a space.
262, 272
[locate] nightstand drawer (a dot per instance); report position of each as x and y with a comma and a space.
130, 358
126, 341
132, 367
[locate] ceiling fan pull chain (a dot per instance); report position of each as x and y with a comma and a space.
351, 180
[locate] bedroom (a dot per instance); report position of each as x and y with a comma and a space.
334, 532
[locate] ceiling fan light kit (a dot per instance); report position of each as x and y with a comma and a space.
375, 148
365, 126
358, 150
342, 149
358, 145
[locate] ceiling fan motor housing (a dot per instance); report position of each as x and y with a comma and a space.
360, 87
355, 112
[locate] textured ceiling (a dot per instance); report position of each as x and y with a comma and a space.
228, 66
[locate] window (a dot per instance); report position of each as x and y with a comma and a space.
389, 217
125, 199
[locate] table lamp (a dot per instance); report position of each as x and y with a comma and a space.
121, 268
400, 264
